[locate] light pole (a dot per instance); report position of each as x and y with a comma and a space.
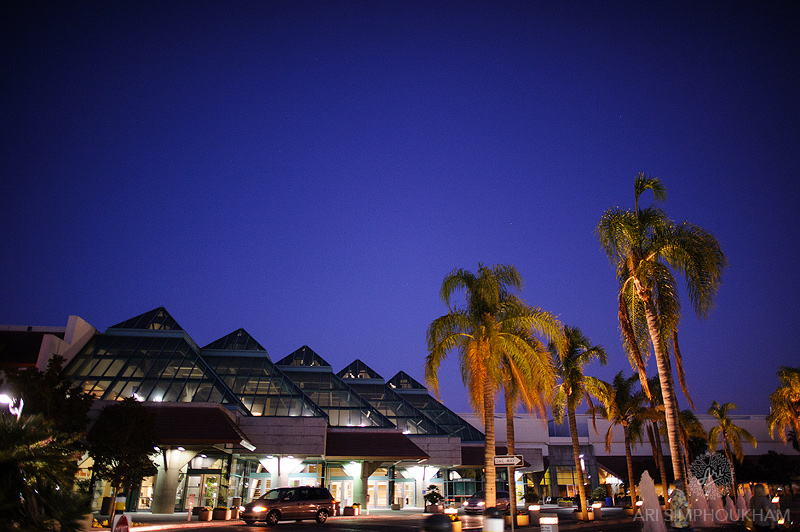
10, 401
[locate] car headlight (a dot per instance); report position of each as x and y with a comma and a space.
482, 503
259, 509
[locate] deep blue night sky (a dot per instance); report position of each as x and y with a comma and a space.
311, 171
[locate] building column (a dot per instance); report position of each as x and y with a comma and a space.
170, 462
422, 475
280, 467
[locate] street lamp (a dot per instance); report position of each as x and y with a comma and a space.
7, 400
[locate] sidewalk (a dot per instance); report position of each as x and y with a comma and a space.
146, 521
612, 519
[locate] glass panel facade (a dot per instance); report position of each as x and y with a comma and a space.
264, 389
418, 396
157, 369
345, 407
371, 386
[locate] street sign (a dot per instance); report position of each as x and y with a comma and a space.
509, 460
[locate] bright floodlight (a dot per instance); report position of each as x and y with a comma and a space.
6, 400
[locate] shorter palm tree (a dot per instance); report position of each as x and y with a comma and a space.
784, 416
730, 434
625, 406
690, 429
574, 387
493, 328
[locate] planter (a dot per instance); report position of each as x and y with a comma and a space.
350, 510
456, 526
204, 515
235, 513
434, 509
85, 524
222, 514
522, 520
396, 506
577, 516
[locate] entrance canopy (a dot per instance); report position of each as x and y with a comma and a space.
371, 445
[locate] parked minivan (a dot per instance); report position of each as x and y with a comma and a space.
302, 502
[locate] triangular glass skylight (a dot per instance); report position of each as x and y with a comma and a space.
305, 356
405, 381
403, 414
418, 395
238, 340
156, 319
359, 370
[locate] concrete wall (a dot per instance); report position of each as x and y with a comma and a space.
531, 432
299, 436
443, 450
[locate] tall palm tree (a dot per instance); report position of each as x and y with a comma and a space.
574, 387
785, 404
646, 246
491, 329
730, 434
533, 388
655, 416
625, 406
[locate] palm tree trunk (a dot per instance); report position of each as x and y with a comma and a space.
667, 391
658, 454
488, 449
576, 451
730, 461
512, 485
629, 462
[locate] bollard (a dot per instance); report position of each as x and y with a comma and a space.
533, 514
493, 520
437, 523
548, 523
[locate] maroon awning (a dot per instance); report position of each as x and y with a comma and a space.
194, 425
371, 444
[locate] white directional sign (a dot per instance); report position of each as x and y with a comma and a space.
509, 461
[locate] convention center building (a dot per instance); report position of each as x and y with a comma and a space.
231, 423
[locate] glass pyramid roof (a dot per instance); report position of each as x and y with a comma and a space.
305, 356
263, 388
156, 319
371, 386
418, 395
344, 406
238, 340
155, 365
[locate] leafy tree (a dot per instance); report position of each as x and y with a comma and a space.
574, 386
624, 406
730, 434
121, 443
37, 473
784, 416
492, 328
53, 396
646, 246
